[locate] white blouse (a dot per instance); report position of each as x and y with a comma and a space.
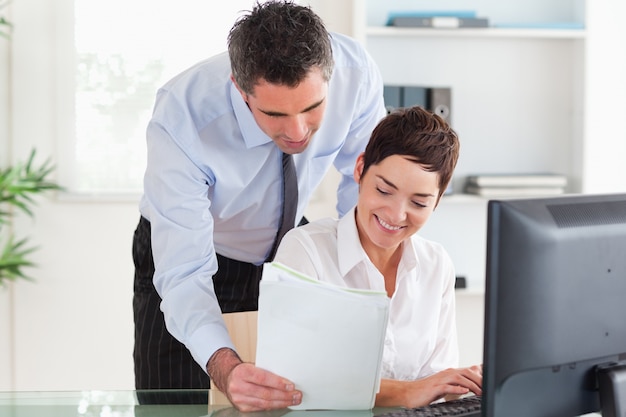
421, 334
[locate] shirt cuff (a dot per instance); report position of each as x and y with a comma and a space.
207, 340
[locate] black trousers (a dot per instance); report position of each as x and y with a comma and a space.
161, 361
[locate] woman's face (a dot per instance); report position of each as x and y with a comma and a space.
396, 198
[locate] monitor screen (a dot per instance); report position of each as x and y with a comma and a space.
555, 303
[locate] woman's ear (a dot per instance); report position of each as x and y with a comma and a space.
358, 167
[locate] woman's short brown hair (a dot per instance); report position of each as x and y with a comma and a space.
421, 136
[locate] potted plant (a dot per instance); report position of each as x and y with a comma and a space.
5, 25
18, 185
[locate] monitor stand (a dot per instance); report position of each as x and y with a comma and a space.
612, 387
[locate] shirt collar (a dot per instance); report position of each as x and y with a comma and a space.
409, 255
252, 134
349, 250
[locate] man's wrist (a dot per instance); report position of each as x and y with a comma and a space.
220, 365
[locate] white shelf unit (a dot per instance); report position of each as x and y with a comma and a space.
516, 94
382, 31
523, 99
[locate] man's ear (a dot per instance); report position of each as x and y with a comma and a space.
358, 167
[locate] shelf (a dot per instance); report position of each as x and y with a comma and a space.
385, 31
462, 198
526, 97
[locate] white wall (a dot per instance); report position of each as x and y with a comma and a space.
72, 328
605, 66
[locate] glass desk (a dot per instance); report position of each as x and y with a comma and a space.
128, 404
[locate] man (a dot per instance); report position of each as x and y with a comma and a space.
213, 192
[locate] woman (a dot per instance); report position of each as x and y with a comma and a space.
402, 175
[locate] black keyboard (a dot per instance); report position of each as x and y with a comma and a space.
462, 407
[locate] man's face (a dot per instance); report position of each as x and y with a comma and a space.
290, 116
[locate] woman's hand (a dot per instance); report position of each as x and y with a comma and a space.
449, 383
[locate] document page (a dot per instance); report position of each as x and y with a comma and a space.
328, 340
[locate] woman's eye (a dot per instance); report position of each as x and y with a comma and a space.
383, 192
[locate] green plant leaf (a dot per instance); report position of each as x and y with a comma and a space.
7, 24
13, 259
18, 185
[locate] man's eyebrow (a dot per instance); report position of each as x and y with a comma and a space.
311, 107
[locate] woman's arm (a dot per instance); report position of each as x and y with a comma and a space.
449, 382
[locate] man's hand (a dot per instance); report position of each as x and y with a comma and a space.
250, 388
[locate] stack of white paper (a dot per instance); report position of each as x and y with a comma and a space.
326, 339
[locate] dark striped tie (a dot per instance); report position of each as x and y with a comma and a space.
290, 202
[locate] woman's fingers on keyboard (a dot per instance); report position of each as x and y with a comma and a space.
473, 379
466, 378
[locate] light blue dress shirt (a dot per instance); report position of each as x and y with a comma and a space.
213, 181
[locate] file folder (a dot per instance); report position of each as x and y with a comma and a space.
327, 340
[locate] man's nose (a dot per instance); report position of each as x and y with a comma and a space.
296, 128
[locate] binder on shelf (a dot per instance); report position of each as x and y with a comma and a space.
327, 340
513, 191
417, 96
434, 99
518, 180
393, 96
440, 22
437, 19
429, 13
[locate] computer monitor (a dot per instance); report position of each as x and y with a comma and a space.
555, 303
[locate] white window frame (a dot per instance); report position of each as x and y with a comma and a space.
223, 16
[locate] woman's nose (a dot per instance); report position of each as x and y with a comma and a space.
397, 212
